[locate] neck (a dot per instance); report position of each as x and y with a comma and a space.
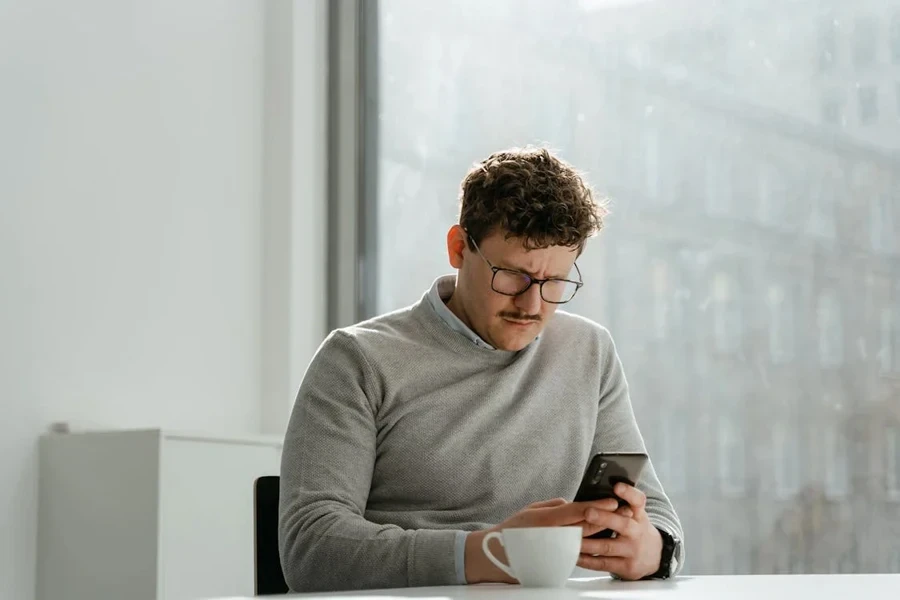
454, 303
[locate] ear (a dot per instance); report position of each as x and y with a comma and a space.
456, 243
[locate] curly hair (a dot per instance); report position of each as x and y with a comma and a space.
529, 194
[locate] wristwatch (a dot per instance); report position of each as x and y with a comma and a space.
668, 564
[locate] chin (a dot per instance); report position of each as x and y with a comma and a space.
514, 346
514, 343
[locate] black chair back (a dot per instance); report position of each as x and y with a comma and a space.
269, 578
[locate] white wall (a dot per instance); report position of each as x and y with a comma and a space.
294, 215
131, 228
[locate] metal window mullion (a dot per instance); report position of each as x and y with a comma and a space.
351, 159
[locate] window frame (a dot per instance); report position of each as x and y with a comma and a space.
867, 105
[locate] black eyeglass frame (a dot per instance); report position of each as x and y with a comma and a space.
531, 280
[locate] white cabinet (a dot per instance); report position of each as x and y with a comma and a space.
148, 514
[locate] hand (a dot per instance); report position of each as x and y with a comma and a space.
549, 513
636, 550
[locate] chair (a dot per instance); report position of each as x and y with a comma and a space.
268, 576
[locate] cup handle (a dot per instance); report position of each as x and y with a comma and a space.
491, 557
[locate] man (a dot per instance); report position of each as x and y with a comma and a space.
417, 432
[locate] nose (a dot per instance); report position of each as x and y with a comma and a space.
530, 301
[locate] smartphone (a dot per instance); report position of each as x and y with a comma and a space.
603, 472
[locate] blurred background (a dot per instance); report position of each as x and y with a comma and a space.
193, 194
749, 271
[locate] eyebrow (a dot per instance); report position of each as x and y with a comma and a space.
532, 275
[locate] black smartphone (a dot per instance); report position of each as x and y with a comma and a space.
602, 474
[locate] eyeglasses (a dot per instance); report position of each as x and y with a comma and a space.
514, 283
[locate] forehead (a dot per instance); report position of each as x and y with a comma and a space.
511, 253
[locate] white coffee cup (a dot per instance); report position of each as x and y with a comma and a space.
538, 556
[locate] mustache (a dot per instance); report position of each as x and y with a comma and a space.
520, 317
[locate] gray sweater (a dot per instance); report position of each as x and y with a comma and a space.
405, 434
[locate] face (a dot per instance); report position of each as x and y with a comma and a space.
505, 322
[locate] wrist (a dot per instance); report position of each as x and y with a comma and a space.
659, 554
477, 566
476, 561
667, 562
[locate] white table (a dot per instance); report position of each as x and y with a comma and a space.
733, 587
737, 587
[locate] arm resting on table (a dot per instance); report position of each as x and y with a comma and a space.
326, 473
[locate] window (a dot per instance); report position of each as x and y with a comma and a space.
895, 333
718, 185
726, 314
772, 194
651, 157
892, 465
735, 559
897, 89
831, 111
662, 298
672, 459
821, 217
835, 455
786, 467
894, 565
881, 222
827, 44
798, 563
887, 338
865, 41
831, 330
781, 324
846, 562
868, 103
895, 39
732, 467
734, 262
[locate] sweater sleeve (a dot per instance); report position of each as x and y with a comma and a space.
326, 474
617, 431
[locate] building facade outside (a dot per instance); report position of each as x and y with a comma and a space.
750, 270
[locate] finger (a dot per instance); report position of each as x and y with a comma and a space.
608, 504
556, 516
631, 530
610, 564
590, 530
633, 496
587, 530
547, 503
609, 520
573, 513
626, 512
622, 547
